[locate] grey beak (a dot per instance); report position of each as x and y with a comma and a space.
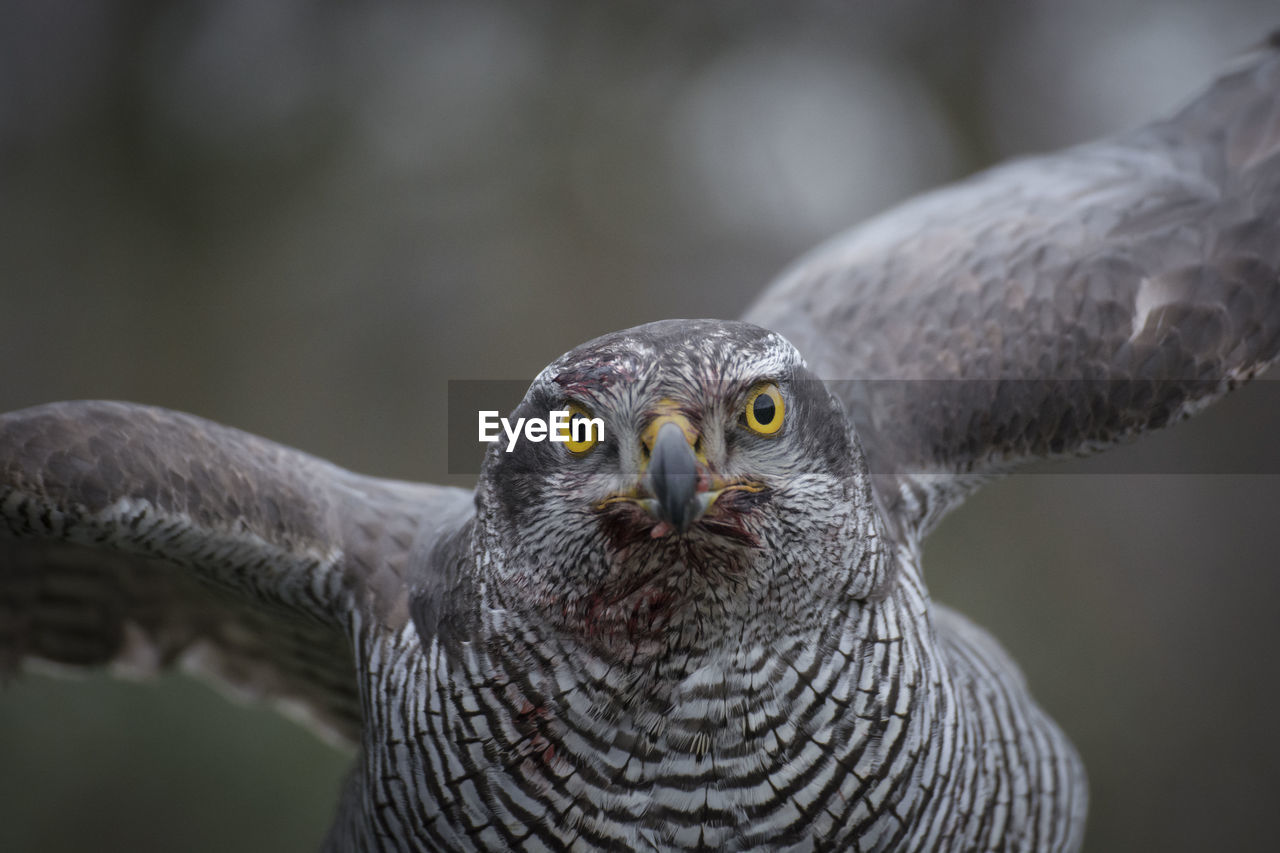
673, 477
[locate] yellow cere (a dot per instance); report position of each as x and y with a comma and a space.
765, 409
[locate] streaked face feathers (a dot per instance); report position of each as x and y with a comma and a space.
701, 507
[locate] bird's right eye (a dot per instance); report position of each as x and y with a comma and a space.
581, 434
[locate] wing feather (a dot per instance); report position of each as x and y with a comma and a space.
1053, 305
142, 538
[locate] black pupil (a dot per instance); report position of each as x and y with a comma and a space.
763, 409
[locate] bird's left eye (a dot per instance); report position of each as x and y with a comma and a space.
765, 409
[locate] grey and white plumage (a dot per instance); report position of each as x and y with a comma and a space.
784, 683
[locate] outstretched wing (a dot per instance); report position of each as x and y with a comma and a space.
1053, 305
140, 537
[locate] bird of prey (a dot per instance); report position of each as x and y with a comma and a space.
706, 624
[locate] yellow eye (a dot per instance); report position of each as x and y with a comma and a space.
583, 431
765, 409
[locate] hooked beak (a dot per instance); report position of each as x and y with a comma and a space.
673, 478
678, 486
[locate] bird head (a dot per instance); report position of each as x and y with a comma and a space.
713, 485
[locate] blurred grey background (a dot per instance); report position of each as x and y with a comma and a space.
304, 218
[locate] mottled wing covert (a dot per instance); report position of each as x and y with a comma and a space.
1053, 305
139, 537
